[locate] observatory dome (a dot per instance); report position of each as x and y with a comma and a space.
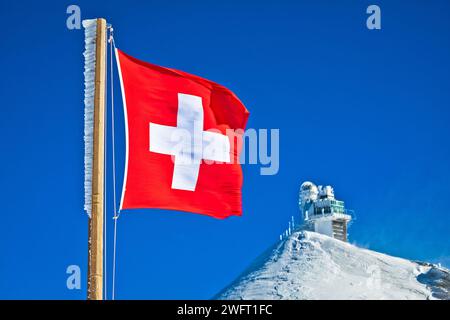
308, 192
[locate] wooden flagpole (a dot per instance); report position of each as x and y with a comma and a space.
95, 243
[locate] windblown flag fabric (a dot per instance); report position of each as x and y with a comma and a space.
183, 137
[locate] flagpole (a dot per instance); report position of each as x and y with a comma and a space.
95, 241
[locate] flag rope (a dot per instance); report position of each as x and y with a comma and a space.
105, 161
116, 216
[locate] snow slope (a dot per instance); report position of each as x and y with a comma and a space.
309, 265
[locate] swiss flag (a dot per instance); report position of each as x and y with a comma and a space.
182, 146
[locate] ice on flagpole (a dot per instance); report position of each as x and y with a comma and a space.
90, 32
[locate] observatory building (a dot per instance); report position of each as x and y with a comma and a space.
322, 213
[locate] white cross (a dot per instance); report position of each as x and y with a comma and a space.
188, 143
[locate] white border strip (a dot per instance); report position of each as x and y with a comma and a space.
124, 102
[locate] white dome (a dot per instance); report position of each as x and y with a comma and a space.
308, 192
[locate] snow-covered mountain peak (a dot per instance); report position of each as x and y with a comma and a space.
308, 265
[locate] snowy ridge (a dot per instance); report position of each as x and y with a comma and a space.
308, 265
90, 33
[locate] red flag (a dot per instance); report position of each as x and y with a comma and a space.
180, 155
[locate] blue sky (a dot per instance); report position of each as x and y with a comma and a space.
365, 111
